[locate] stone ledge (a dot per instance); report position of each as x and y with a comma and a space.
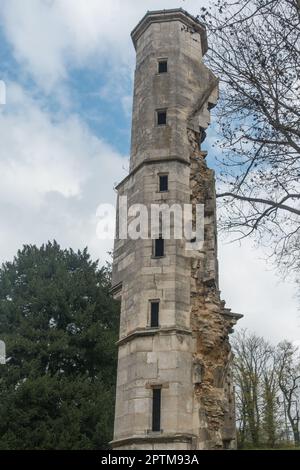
139, 332
150, 162
164, 16
228, 313
155, 438
116, 290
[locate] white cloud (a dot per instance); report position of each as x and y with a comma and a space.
251, 288
49, 35
37, 155
127, 105
54, 174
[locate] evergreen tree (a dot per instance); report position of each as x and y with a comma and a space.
60, 325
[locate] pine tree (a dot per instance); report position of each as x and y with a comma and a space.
60, 325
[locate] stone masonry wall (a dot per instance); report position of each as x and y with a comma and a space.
211, 323
188, 356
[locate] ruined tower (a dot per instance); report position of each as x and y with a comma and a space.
174, 388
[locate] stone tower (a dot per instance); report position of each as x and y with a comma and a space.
174, 388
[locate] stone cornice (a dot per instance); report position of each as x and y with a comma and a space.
154, 438
140, 332
116, 289
228, 313
150, 162
162, 16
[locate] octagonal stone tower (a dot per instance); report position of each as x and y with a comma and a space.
174, 387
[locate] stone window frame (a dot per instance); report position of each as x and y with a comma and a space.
159, 176
154, 301
156, 409
154, 256
150, 386
152, 430
161, 60
160, 111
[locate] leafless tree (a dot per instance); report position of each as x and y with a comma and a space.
254, 386
271, 411
255, 53
267, 381
288, 371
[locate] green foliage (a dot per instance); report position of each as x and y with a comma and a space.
60, 325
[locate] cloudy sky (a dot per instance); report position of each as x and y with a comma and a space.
65, 139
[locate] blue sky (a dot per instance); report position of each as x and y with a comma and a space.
65, 139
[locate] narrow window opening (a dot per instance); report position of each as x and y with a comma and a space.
156, 410
163, 66
163, 183
154, 320
159, 247
161, 118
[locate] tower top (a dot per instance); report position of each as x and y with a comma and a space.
162, 16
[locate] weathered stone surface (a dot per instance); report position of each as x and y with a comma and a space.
188, 356
210, 326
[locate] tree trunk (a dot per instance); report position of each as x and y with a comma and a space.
296, 434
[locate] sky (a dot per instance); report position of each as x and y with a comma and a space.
65, 141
